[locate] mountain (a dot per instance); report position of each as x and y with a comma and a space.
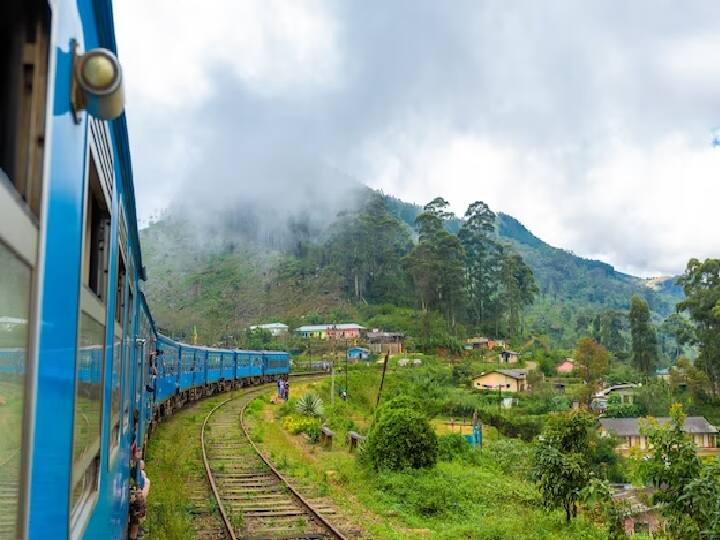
222, 276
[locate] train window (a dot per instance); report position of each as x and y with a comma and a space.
96, 251
24, 46
90, 362
115, 388
88, 417
15, 286
127, 361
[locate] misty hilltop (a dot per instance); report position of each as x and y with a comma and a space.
223, 270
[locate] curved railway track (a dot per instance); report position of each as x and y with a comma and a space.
255, 501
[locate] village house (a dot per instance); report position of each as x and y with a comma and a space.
482, 344
276, 329
627, 430
566, 366
330, 331
358, 353
385, 342
508, 357
505, 380
476, 343
639, 518
625, 391
662, 374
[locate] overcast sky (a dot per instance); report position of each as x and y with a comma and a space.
591, 122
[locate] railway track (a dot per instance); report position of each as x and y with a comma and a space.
254, 499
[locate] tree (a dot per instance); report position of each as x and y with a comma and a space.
518, 290
598, 498
593, 360
671, 466
699, 506
436, 264
675, 331
686, 377
617, 409
561, 466
644, 342
482, 261
607, 330
701, 284
367, 248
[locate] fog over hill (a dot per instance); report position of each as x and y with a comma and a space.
228, 264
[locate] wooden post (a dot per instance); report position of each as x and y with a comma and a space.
382, 380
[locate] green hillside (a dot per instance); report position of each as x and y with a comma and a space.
222, 279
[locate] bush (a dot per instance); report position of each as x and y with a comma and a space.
513, 456
309, 405
559, 404
299, 424
401, 439
313, 432
451, 446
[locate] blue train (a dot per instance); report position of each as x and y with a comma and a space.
84, 373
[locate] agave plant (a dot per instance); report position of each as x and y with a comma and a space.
309, 405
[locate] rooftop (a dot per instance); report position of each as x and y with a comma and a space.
270, 325
518, 374
624, 427
605, 391
321, 327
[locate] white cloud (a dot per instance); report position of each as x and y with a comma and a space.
172, 49
590, 122
645, 210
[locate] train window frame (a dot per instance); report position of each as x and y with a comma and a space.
128, 349
120, 290
25, 61
94, 294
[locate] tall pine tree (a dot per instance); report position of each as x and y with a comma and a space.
644, 341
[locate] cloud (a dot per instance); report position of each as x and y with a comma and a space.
588, 122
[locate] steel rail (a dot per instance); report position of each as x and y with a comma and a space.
213, 485
303, 502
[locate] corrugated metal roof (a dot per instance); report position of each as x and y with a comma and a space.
624, 427
322, 327
519, 374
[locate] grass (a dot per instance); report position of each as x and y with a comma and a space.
173, 462
486, 498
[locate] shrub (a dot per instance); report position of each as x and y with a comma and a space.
559, 403
313, 432
299, 424
400, 439
309, 405
451, 446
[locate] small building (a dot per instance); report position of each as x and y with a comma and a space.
625, 391
639, 518
495, 343
663, 374
330, 331
477, 343
344, 331
566, 366
508, 357
627, 430
358, 353
385, 342
276, 328
505, 380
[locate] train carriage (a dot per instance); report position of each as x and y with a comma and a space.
80, 387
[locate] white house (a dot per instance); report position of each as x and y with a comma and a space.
275, 328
